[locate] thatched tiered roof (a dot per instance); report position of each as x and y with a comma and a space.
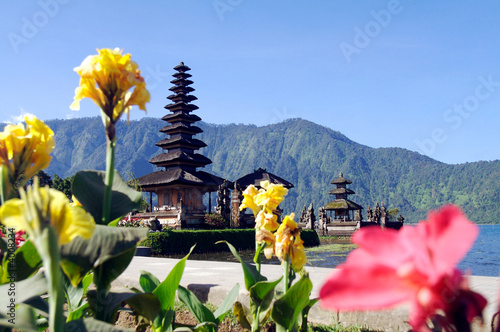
180, 160
261, 175
341, 204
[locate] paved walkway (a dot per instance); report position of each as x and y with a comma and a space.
211, 281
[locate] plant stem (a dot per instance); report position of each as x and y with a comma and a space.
256, 321
286, 274
49, 251
3, 183
110, 172
256, 258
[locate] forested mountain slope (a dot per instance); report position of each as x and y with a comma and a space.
302, 152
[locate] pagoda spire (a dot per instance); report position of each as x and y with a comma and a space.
180, 145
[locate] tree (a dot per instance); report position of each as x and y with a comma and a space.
392, 214
134, 183
63, 185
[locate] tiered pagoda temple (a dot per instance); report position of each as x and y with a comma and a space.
179, 186
342, 206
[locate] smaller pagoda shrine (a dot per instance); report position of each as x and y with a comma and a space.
180, 186
342, 207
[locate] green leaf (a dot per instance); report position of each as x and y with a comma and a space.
146, 305
261, 297
78, 313
148, 281
92, 325
305, 314
87, 281
261, 290
163, 322
199, 311
22, 291
24, 263
205, 327
115, 222
243, 315
74, 294
227, 304
166, 290
287, 308
80, 256
88, 187
109, 270
249, 271
24, 319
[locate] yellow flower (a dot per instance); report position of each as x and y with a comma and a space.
106, 78
289, 244
25, 150
271, 196
265, 236
266, 221
44, 207
75, 202
248, 199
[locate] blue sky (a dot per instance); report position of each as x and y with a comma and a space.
423, 75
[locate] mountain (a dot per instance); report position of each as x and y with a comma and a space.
304, 153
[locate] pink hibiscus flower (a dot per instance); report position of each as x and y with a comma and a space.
415, 265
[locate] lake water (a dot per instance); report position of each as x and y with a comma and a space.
482, 260
484, 257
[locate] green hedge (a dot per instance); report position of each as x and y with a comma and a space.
180, 241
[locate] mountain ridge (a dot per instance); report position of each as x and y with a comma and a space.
306, 154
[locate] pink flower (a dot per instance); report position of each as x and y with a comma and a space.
415, 265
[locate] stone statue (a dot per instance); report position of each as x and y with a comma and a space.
310, 217
322, 221
357, 215
303, 215
154, 225
236, 216
383, 215
219, 201
369, 214
377, 213
223, 201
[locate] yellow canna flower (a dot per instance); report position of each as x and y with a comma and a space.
75, 201
271, 196
25, 150
265, 236
106, 78
248, 199
44, 207
289, 244
266, 221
